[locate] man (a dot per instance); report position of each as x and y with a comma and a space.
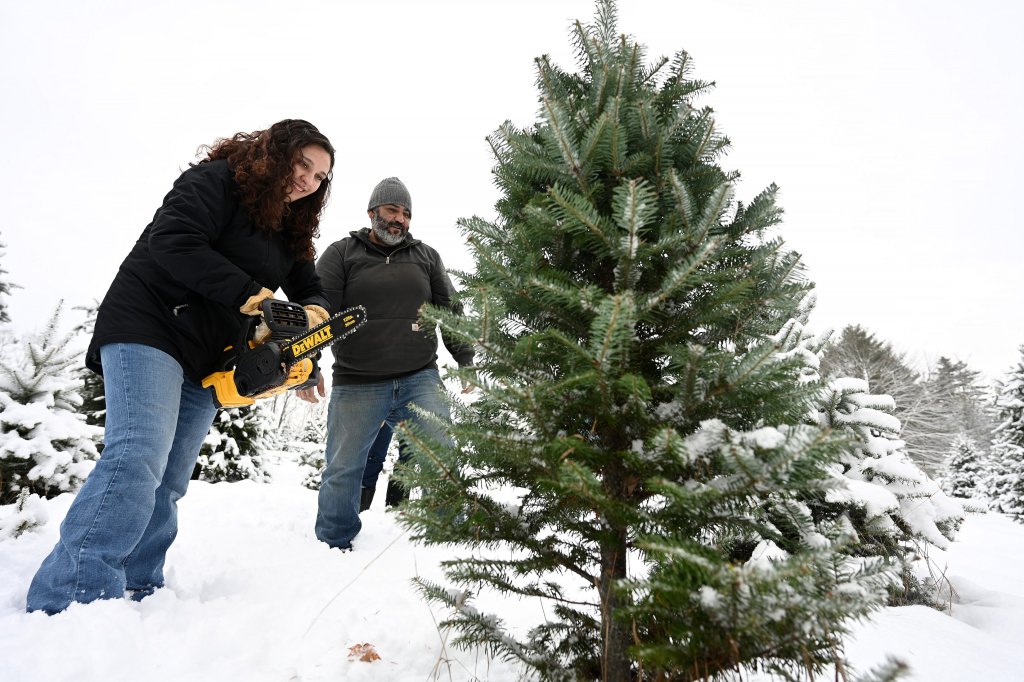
390, 364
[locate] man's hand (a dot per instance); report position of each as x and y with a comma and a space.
310, 394
252, 304
261, 334
315, 315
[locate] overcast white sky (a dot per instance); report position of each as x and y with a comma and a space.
892, 128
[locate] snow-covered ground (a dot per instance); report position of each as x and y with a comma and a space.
251, 595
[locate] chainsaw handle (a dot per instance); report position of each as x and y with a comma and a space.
284, 319
314, 377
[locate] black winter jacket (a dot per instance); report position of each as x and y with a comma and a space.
392, 287
200, 259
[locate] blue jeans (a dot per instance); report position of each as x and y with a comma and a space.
354, 417
122, 521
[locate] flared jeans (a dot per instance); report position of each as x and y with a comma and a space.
124, 518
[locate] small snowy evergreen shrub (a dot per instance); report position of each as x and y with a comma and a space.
45, 445
233, 449
309, 446
25, 515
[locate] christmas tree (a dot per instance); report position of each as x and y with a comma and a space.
233, 449
896, 510
45, 445
965, 469
639, 454
5, 290
963, 398
94, 402
933, 409
1005, 486
310, 445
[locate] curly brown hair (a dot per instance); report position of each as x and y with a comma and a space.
262, 163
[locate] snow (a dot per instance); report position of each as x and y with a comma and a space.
252, 595
872, 419
765, 438
849, 385
979, 638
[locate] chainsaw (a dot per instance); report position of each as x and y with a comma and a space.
250, 370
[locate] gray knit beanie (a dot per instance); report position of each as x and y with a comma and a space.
390, 191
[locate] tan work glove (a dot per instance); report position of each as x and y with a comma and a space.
252, 304
315, 315
261, 334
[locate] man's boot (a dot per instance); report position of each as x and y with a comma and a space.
396, 493
366, 498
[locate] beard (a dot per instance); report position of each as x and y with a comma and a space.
381, 228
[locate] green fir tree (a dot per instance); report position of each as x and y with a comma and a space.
639, 453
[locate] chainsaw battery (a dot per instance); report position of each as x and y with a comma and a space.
260, 369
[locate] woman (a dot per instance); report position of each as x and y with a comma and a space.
234, 228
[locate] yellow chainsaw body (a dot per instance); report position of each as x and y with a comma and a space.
260, 367
225, 393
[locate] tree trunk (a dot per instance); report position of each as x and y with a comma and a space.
615, 662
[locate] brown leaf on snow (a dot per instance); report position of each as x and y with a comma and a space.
364, 651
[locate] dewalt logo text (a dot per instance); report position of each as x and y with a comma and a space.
318, 339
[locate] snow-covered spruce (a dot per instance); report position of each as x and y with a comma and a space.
1005, 485
232, 450
965, 470
45, 445
934, 406
895, 508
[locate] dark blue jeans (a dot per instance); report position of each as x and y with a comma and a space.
378, 454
